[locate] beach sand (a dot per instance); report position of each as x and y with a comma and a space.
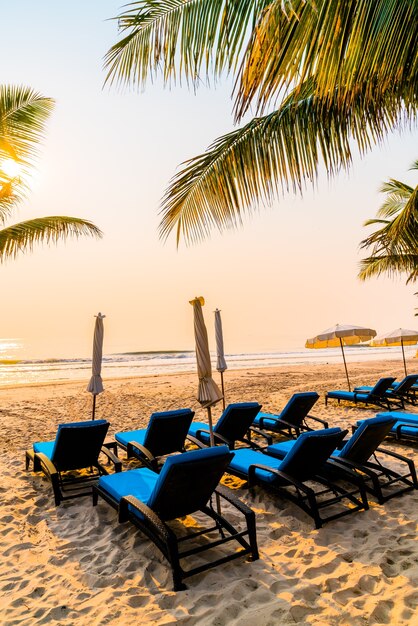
76, 565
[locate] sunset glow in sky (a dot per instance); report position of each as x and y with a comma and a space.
108, 156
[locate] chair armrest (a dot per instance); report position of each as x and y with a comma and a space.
404, 424
317, 419
146, 457
261, 433
47, 465
217, 436
395, 455
113, 458
286, 477
149, 515
196, 441
230, 497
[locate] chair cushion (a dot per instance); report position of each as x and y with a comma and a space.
244, 457
347, 395
46, 447
401, 418
270, 421
279, 450
137, 482
131, 435
195, 426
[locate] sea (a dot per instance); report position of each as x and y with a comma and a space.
16, 371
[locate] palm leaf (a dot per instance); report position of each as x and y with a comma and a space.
269, 155
23, 115
179, 37
23, 236
395, 245
352, 48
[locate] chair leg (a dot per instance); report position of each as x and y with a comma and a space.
252, 536
56, 489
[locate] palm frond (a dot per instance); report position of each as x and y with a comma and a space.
347, 46
269, 155
23, 236
180, 37
23, 115
395, 245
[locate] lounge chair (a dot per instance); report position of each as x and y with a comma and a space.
165, 434
305, 464
231, 427
403, 391
405, 426
293, 418
376, 396
381, 481
185, 485
71, 461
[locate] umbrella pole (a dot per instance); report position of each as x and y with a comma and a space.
223, 390
212, 444
403, 354
94, 405
345, 364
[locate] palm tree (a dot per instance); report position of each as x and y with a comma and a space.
320, 75
394, 245
23, 114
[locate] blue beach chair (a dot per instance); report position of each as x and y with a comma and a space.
185, 485
305, 463
165, 434
232, 426
293, 418
362, 454
71, 461
376, 396
405, 425
403, 391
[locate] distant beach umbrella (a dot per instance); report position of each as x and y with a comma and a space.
399, 337
208, 391
221, 365
95, 385
341, 335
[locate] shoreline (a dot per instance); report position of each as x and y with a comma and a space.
379, 364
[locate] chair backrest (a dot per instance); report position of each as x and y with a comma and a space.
236, 420
187, 481
381, 386
406, 384
167, 431
366, 439
298, 407
78, 444
310, 452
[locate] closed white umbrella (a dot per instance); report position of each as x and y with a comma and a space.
221, 365
341, 335
208, 391
399, 337
95, 385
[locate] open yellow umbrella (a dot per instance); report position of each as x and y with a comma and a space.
399, 337
341, 335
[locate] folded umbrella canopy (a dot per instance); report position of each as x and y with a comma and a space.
341, 335
95, 385
221, 365
208, 392
399, 337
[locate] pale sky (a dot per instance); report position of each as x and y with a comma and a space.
288, 274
